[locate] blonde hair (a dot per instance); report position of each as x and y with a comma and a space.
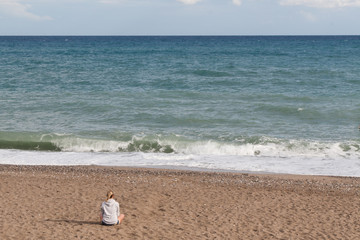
109, 195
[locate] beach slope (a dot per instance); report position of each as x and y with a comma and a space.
56, 202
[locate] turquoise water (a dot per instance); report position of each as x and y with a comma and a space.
200, 99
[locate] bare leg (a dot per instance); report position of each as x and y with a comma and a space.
121, 217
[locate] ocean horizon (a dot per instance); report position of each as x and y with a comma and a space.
281, 104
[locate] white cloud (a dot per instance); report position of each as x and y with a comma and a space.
322, 3
237, 2
189, 2
17, 9
112, 1
308, 16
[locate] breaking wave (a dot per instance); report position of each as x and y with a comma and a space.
175, 144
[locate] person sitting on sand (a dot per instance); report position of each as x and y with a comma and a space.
110, 211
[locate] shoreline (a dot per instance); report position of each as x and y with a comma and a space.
62, 202
256, 165
184, 168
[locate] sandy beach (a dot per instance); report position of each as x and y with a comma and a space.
55, 202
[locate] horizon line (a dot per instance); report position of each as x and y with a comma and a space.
177, 35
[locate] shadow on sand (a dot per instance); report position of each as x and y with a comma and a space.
73, 221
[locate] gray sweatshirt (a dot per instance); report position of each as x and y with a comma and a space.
110, 211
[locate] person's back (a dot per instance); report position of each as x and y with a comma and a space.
110, 211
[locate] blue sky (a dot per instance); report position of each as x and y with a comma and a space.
179, 17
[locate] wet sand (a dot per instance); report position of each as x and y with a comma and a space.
48, 202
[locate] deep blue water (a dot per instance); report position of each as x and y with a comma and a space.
280, 96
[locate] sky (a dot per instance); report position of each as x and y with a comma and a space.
179, 17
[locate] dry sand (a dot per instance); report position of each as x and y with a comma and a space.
45, 202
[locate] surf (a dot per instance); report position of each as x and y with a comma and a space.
179, 144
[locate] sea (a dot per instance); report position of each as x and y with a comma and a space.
274, 104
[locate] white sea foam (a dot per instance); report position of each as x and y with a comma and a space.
75, 144
261, 154
345, 166
264, 148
